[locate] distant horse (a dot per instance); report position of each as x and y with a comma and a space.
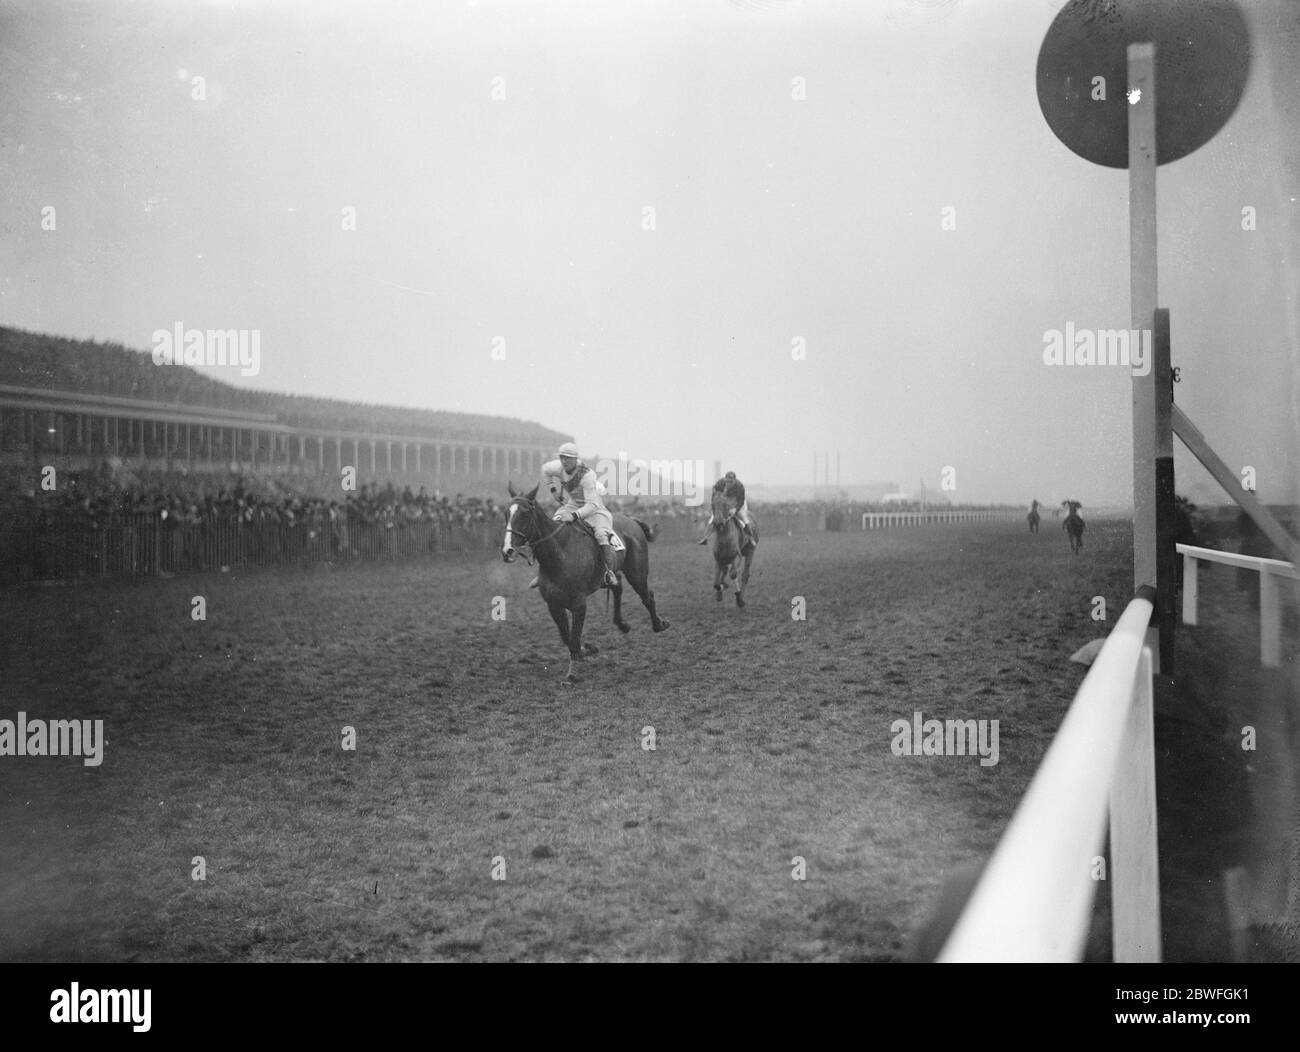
1033, 517
729, 545
572, 567
1073, 525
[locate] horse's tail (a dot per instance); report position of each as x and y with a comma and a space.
651, 532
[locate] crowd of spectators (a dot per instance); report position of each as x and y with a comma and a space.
98, 497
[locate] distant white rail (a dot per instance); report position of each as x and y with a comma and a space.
1271, 572
1034, 899
884, 520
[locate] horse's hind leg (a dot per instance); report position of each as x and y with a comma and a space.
641, 585
622, 625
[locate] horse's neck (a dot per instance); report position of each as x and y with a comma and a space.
728, 537
549, 551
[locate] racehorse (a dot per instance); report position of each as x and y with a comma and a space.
1033, 517
571, 568
726, 542
1073, 525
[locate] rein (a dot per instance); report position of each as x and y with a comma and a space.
532, 544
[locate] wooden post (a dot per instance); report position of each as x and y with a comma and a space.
1143, 297
1192, 438
1161, 372
1270, 621
1191, 589
1135, 872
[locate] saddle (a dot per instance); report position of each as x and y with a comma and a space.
615, 541
748, 533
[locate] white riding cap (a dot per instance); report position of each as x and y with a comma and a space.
568, 450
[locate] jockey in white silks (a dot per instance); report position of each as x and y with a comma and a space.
576, 486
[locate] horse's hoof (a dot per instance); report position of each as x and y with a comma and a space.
740, 599
663, 624
590, 648
717, 594
625, 628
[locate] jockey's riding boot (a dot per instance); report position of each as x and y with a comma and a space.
611, 578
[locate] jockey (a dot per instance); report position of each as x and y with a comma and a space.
733, 490
580, 493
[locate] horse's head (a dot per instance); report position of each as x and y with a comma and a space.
521, 522
723, 510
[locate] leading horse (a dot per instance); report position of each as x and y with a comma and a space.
1073, 525
729, 545
570, 568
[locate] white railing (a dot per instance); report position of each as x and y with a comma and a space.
883, 520
1034, 899
1271, 572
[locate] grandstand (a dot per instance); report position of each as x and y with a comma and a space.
76, 404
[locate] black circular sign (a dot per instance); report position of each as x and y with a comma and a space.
1202, 64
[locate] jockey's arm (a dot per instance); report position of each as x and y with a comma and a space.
590, 497
553, 477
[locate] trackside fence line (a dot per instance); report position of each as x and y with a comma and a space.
884, 520
1034, 899
1271, 573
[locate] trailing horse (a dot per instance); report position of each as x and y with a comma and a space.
729, 545
1073, 525
1032, 517
570, 567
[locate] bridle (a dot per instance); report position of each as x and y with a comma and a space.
526, 542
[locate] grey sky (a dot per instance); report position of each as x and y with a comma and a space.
522, 218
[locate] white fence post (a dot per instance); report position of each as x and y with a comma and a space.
1191, 588
1270, 594
1033, 901
1134, 863
1270, 621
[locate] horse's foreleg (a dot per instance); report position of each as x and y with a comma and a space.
718, 576
744, 579
577, 647
561, 618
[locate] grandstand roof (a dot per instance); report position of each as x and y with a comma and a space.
110, 370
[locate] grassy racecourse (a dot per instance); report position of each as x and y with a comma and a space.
772, 741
